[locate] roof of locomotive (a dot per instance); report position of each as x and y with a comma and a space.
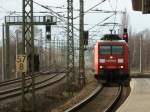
117, 42
111, 42
123, 41
111, 38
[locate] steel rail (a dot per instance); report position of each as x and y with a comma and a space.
37, 74
18, 88
11, 81
15, 80
115, 101
86, 100
15, 93
94, 95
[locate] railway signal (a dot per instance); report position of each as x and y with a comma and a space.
48, 32
48, 29
86, 36
125, 35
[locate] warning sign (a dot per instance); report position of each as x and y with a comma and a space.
21, 63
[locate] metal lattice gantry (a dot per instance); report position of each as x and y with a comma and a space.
28, 29
70, 42
28, 47
38, 20
18, 20
27, 20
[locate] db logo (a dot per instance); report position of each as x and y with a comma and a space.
111, 61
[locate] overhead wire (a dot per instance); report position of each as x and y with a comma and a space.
51, 11
115, 15
110, 4
62, 18
90, 8
9, 14
95, 34
101, 21
46, 7
115, 12
58, 16
3, 8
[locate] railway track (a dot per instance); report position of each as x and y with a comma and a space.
16, 91
16, 80
103, 99
114, 103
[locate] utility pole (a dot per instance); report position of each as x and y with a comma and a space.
54, 57
141, 54
7, 75
28, 42
58, 51
61, 51
41, 50
50, 54
81, 46
46, 62
70, 45
17, 35
3, 56
57, 60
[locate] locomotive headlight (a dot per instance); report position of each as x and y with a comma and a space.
120, 60
121, 66
102, 60
101, 67
111, 57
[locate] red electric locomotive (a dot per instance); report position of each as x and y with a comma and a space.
111, 59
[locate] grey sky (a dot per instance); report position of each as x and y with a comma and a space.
137, 20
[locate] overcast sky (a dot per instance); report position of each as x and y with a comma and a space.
138, 21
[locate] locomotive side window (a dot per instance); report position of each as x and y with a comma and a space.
105, 50
117, 49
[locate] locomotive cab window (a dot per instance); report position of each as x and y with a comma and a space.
117, 49
105, 49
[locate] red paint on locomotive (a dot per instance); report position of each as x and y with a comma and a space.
111, 60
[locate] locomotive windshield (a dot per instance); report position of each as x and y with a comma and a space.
117, 49
105, 49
